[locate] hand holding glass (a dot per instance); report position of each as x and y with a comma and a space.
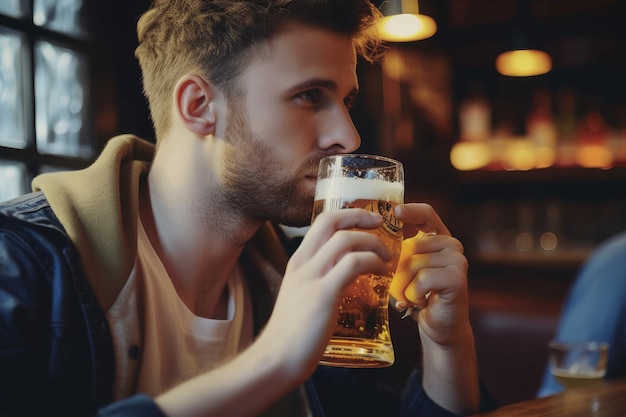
361, 337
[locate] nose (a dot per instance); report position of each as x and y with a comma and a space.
339, 133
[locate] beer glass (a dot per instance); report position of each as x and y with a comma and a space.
578, 364
361, 336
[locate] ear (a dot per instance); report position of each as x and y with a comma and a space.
195, 101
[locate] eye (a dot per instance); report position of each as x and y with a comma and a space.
312, 97
349, 103
350, 99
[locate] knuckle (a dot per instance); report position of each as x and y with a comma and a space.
460, 261
422, 276
464, 264
325, 218
342, 237
458, 245
454, 245
351, 262
458, 273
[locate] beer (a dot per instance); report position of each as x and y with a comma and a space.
578, 364
361, 337
578, 379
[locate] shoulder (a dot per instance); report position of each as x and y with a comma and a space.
603, 275
31, 238
609, 259
32, 208
613, 248
26, 256
35, 257
30, 215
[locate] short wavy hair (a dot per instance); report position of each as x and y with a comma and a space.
214, 37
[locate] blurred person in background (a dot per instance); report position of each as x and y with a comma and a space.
595, 309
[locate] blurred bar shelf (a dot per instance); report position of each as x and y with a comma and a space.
544, 176
561, 258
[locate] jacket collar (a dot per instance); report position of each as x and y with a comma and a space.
98, 207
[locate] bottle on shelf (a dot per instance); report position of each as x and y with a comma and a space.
592, 147
541, 129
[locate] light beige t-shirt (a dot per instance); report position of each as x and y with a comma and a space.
158, 341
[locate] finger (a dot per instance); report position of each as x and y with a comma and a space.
420, 216
423, 253
353, 265
327, 223
341, 244
406, 276
345, 242
428, 243
443, 282
416, 292
416, 254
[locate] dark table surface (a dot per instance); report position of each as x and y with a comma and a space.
606, 399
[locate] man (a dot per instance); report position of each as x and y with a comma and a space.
152, 283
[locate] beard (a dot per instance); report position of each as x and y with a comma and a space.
259, 184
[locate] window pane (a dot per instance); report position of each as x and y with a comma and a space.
45, 169
13, 179
12, 91
61, 101
13, 8
65, 16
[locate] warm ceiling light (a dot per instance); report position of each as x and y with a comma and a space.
523, 63
404, 23
523, 60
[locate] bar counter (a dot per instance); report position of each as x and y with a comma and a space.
603, 400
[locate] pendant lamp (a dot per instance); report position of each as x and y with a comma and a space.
402, 22
522, 60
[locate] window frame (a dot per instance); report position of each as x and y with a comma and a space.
97, 59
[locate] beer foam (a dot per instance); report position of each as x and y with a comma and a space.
350, 189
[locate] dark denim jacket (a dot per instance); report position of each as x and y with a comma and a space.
56, 353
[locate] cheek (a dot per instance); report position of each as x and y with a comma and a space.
289, 136
288, 130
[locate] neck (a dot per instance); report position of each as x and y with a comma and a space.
199, 253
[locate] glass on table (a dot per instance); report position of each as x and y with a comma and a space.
578, 364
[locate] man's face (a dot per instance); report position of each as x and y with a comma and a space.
294, 112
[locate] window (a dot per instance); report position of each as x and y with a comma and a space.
13, 179
47, 109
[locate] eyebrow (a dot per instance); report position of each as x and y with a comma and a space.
327, 84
